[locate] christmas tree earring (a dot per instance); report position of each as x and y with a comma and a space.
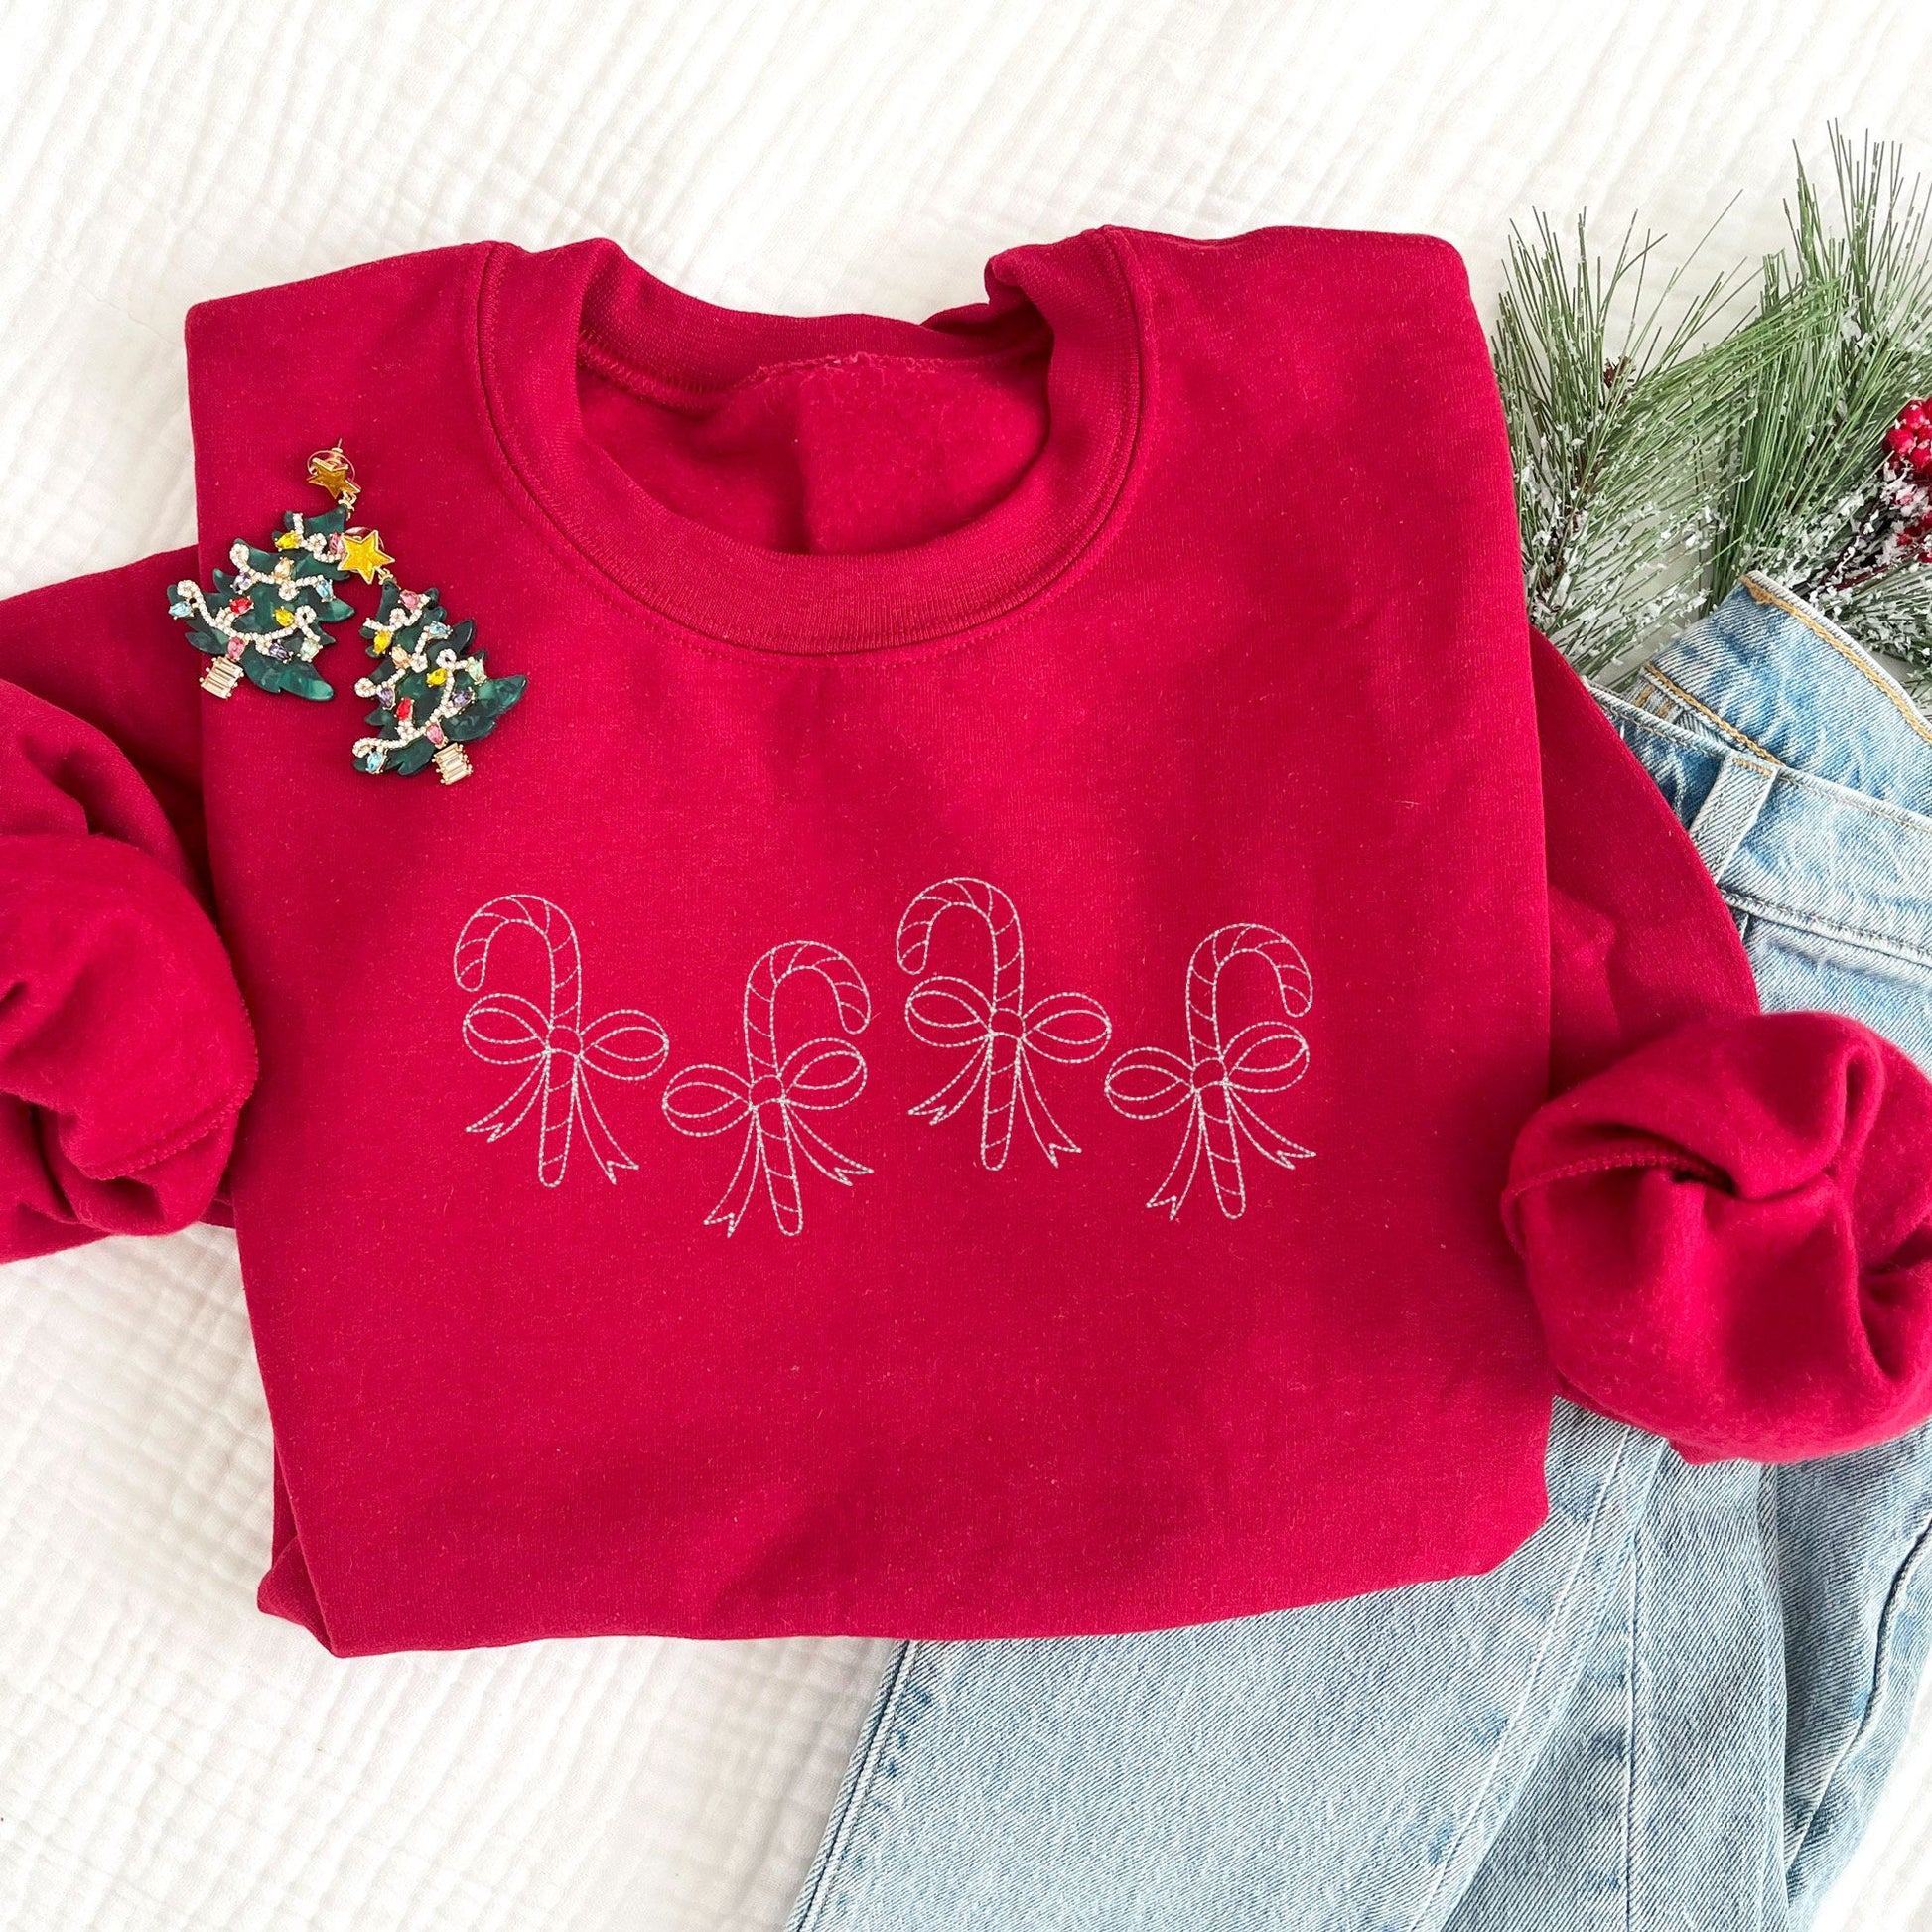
433, 696
267, 620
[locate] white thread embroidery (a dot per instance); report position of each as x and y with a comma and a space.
769, 1097
506, 1029
1214, 1082
1000, 1031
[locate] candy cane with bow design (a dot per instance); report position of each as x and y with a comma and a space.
1220, 1073
553, 1040
770, 1097
1000, 1030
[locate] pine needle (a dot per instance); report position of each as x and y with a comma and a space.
1656, 462
1852, 300
1616, 420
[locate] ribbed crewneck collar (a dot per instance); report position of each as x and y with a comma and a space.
544, 315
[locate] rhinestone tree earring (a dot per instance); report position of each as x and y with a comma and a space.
267, 620
433, 694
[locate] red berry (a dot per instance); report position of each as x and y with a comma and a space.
1909, 439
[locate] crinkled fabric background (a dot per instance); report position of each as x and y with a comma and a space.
168, 1759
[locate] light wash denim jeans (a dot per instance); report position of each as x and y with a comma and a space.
1672, 1708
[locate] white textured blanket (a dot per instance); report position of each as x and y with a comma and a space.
168, 1759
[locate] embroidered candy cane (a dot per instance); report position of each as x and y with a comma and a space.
770, 1096
552, 1039
995, 1023
1214, 1083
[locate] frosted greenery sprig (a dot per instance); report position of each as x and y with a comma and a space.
1813, 483
1615, 420
1656, 464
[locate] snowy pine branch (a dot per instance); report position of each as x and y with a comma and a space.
1808, 463
1616, 419
1656, 462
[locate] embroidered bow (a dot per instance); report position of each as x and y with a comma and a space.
554, 1042
999, 1030
1214, 1083
772, 1096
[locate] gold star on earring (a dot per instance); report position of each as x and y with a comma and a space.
363, 552
331, 471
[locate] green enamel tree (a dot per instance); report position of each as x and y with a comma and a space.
433, 695
265, 617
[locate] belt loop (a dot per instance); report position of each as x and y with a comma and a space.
1729, 810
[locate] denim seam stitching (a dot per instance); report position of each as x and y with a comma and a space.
860, 1796
1723, 724
1765, 591
1849, 798
1530, 1685
1720, 807
1881, 1683
1843, 796
1630, 711
1774, 913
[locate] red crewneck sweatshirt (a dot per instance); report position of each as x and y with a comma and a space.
1048, 1016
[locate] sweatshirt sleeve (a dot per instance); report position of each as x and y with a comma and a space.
125, 1052
1725, 1215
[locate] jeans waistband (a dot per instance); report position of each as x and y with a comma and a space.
1801, 767
1777, 678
